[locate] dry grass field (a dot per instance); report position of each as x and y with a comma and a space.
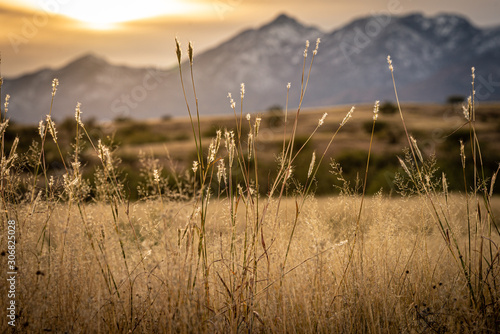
226, 233
81, 272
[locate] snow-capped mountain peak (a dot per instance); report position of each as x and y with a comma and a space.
432, 57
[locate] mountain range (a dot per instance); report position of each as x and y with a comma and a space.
432, 58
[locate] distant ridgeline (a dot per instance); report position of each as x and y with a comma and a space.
432, 60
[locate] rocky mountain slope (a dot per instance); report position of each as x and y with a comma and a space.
432, 59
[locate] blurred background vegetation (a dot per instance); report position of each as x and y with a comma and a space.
438, 130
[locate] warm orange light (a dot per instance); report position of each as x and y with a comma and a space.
106, 14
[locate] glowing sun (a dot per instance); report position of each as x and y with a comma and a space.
102, 14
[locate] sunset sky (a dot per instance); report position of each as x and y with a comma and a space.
41, 33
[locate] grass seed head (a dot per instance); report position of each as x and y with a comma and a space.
195, 166
55, 83
3, 126
346, 118
78, 113
322, 119
14, 148
218, 138
6, 103
178, 50
70, 184
52, 128
466, 109
257, 125
315, 52
250, 145
190, 52
311, 165
445, 184
104, 155
41, 129
221, 171
389, 62
211, 152
214, 147
289, 173
230, 145
402, 163
156, 176
417, 150
231, 101
76, 167
375, 110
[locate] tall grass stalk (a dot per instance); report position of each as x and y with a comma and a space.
254, 239
471, 265
214, 252
444, 226
205, 171
358, 219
